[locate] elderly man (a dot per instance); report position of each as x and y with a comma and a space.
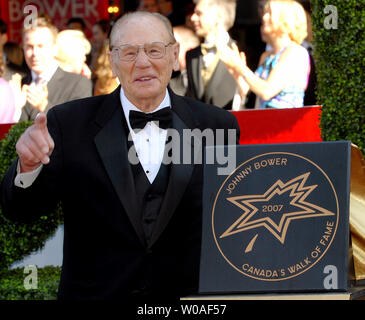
132, 229
208, 78
48, 84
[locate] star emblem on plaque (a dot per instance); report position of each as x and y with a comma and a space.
275, 209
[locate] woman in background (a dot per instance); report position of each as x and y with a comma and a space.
7, 107
282, 76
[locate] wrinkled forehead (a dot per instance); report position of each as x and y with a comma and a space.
140, 30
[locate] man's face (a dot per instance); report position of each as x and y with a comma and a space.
39, 49
205, 18
144, 80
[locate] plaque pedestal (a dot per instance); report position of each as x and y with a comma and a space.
355, 293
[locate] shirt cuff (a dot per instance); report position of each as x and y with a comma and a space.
26, 179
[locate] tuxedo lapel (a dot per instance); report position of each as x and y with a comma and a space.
196, 67
180, 173
214, 86
55, 83
111, 143
215, 80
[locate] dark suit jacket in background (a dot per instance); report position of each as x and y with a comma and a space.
105, 252
62, 87
178, 83
220, 89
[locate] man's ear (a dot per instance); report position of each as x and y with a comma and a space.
110, 58
176, 64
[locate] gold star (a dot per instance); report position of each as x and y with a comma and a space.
296, 190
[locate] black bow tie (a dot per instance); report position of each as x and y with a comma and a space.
138, 120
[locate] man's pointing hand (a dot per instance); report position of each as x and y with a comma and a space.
35, 145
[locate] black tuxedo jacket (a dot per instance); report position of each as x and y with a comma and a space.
105, 252
62, 87
221, 87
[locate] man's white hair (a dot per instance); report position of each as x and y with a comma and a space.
130, 15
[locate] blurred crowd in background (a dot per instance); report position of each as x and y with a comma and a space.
218, 65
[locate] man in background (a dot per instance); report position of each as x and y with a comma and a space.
48, 84
187, 40
208, 78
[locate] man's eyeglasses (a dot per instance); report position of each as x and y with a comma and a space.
128, 52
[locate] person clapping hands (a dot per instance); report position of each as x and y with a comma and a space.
282, 75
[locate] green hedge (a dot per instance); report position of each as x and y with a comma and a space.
12, 284
17, 240
340, 63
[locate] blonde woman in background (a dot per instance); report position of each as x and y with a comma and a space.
282, 76
72, 48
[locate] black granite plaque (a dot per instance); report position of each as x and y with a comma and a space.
279, 222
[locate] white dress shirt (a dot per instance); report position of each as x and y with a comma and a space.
149, 143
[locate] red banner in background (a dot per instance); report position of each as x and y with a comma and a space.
279, 125
4, 128
59, 11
